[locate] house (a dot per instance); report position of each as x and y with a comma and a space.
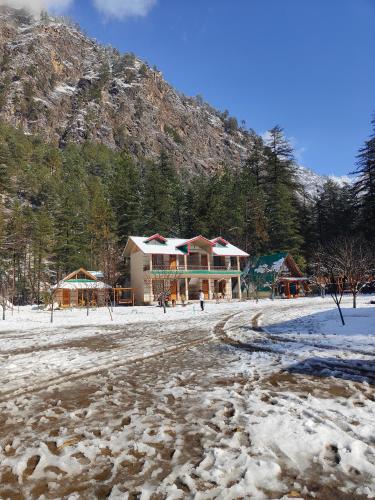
82, 288
280, 273
182, 267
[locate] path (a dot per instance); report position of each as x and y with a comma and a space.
144, 413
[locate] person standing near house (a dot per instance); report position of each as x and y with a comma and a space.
201, 299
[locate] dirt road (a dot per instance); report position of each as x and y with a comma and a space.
141, 413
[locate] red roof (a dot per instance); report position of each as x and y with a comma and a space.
200, 237
220, 239
156, 236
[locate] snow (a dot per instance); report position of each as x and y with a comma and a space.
276, 267
313, 183
74, 285
161, 405
171, 247
65, 89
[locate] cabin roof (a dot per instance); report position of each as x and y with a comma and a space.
274, 263
82, 285
174, 246
90, 281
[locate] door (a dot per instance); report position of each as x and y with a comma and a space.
66, 298
174, 290
205, 288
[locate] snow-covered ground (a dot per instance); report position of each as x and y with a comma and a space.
267, 400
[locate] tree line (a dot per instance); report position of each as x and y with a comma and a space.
61, 209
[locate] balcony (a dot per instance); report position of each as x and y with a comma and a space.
190, 269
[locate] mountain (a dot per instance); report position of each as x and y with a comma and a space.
56, 81
313, 182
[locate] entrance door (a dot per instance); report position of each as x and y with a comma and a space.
66, 297
174, 290
205, 288
222, 287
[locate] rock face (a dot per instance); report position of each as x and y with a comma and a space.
57, 82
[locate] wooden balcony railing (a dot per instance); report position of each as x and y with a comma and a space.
191, 267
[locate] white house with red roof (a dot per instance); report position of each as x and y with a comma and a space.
183, 268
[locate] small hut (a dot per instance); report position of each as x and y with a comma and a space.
280, 272
82, 288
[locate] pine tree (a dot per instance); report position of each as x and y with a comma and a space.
333, 212
71, 215
281, 189
281, 163
364, 187
101, 224
126, 197
160, 185
284, 231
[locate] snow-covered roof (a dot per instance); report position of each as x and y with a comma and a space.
228, 250
174, 246
97, 274
82, 285
154, 247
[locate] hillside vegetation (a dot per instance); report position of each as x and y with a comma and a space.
96, 146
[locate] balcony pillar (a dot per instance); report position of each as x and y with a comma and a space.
239, 288
185, 262
150, 262
238, 264
228, 289
209, 288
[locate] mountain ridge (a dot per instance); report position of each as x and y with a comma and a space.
57, 80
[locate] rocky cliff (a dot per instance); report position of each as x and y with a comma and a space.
57, 82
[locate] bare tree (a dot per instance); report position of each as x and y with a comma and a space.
354, 261
253, 281
49, 296
5, 293
165, 279
326, 278
341, 265
110, 264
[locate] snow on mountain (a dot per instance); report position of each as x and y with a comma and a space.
313, 183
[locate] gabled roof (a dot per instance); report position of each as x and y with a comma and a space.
174, 246
274, 263
270, 263
220, 240
90, 281
73, 275
186, 245
156, 237
82, 285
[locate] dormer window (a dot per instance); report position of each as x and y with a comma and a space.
156, 239
220, 242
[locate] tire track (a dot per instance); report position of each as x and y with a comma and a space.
104, 366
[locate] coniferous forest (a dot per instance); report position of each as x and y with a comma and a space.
66, 208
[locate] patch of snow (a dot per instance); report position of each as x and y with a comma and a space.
65, 89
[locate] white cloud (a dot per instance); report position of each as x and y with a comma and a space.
121, 9
35, 6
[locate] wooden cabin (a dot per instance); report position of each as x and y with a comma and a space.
280, 272
82, 288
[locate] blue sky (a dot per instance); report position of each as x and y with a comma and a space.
307, 65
